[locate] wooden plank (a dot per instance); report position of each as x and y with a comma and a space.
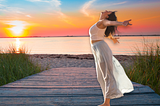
69, 87
64, 78
80, 100
54, 90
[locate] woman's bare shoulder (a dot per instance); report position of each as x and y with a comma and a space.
100, 24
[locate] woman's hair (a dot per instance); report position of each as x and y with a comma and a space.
111, 29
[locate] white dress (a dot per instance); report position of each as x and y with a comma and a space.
110, 74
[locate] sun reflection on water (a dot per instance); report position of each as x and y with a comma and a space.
18, 43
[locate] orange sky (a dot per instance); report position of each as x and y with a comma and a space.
31, 18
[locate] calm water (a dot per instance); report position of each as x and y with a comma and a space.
74, 45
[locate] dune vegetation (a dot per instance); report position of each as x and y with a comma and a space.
15, 65
146, 66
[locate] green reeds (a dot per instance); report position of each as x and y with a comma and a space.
146, 67
15, 65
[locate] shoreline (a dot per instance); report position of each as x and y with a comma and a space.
77, 56
48, 61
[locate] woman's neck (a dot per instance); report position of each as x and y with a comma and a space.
101, 18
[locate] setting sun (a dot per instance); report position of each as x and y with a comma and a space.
17, 28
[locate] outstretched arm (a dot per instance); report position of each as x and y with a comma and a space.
115, 23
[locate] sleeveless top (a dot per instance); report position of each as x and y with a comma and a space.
96, 33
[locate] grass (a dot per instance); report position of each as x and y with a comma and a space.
146, 66
15, 65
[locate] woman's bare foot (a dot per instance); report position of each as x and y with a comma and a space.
104, 104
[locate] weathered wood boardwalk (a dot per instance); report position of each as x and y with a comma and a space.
69, 87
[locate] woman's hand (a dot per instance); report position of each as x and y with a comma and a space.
125, 23
115, 40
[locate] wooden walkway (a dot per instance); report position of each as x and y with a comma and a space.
69, 87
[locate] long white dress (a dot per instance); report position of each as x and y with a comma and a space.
110, 74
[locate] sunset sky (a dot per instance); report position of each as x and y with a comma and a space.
24, 18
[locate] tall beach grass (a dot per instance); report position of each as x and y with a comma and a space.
15, 65
146, 66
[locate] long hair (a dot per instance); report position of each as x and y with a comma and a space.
111, 29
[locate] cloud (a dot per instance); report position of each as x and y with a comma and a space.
111, 4
118, 3
16, 23
8, 9
56, 3
28, 16
1, 5
12, 11
65, 18
86, 6
19, 12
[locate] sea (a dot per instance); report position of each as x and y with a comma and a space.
127, 45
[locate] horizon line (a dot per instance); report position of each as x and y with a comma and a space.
76, 36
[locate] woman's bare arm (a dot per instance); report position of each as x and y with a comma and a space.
115, 23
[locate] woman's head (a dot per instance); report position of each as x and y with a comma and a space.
105, 14
111, 29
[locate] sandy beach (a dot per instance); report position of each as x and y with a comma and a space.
48, 61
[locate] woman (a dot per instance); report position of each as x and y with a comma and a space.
110, 74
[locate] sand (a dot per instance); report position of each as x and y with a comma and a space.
48, 61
